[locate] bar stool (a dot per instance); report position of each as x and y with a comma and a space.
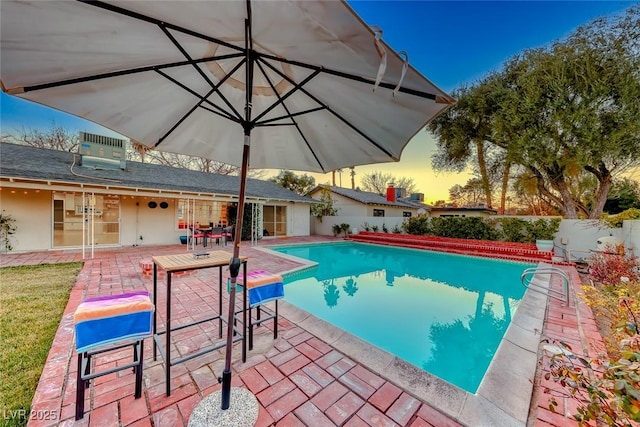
107, 323
262, 287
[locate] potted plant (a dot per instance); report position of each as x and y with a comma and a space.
7, 228
542, 232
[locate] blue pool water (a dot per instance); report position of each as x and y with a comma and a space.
443, 313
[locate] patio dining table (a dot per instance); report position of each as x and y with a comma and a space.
186, 262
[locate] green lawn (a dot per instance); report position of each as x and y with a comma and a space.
32, 300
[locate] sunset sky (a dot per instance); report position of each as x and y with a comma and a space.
451, 42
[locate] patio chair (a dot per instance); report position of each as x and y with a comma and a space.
217, 233
195, 234
110, 323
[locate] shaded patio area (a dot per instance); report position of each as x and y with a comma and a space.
298, 378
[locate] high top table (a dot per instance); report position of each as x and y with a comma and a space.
186, 262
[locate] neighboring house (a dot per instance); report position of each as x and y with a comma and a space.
356, 203
59, 203
465, 211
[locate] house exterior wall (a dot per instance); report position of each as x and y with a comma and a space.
139, 224
155, 226
346, 206
33, 215
391, 211
298, 223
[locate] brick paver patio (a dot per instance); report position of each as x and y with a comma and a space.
298, 379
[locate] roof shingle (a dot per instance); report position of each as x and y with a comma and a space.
20, 161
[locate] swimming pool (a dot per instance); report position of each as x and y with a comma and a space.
443, 313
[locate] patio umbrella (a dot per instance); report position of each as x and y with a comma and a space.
304, 85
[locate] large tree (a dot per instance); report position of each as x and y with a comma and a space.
561, 112
463, 132
469, 195
378, 182
300, 184
574, 109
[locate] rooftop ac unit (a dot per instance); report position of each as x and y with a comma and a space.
102, 152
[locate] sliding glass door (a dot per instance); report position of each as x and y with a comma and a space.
274, 221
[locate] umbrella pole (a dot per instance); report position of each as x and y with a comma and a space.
234, 269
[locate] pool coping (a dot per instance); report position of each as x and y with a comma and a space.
504, 395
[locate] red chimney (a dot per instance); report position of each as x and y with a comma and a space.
391, 193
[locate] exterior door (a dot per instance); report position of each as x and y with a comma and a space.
274, 221
84, 219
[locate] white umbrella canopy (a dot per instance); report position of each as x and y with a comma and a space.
131, 67
324, 92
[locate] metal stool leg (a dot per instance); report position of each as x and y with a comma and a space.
275, 323
80, 386
138, 368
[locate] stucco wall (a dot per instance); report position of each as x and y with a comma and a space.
390, 211
325, 228
33, 212
33, 215
631, 235
298, 222
156, 226
346, 206
580, 236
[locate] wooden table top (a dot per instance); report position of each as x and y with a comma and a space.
189, 261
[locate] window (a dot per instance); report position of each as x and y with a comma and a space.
201, 213
406, 214
378, 212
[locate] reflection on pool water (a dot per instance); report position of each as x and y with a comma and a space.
444, 313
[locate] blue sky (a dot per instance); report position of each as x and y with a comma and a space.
450, 42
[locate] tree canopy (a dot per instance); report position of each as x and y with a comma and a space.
377, 182
468, 195
300, 184
624, 194
565, 113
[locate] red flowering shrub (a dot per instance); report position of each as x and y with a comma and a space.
608, 267
607, 387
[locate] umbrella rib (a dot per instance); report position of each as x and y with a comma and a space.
222, 112
281, 102
268, 122
342, 119
198, 69
350, 76
199, 104
281, 98
155, 21
123, 73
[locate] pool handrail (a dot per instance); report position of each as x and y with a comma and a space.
529, 273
